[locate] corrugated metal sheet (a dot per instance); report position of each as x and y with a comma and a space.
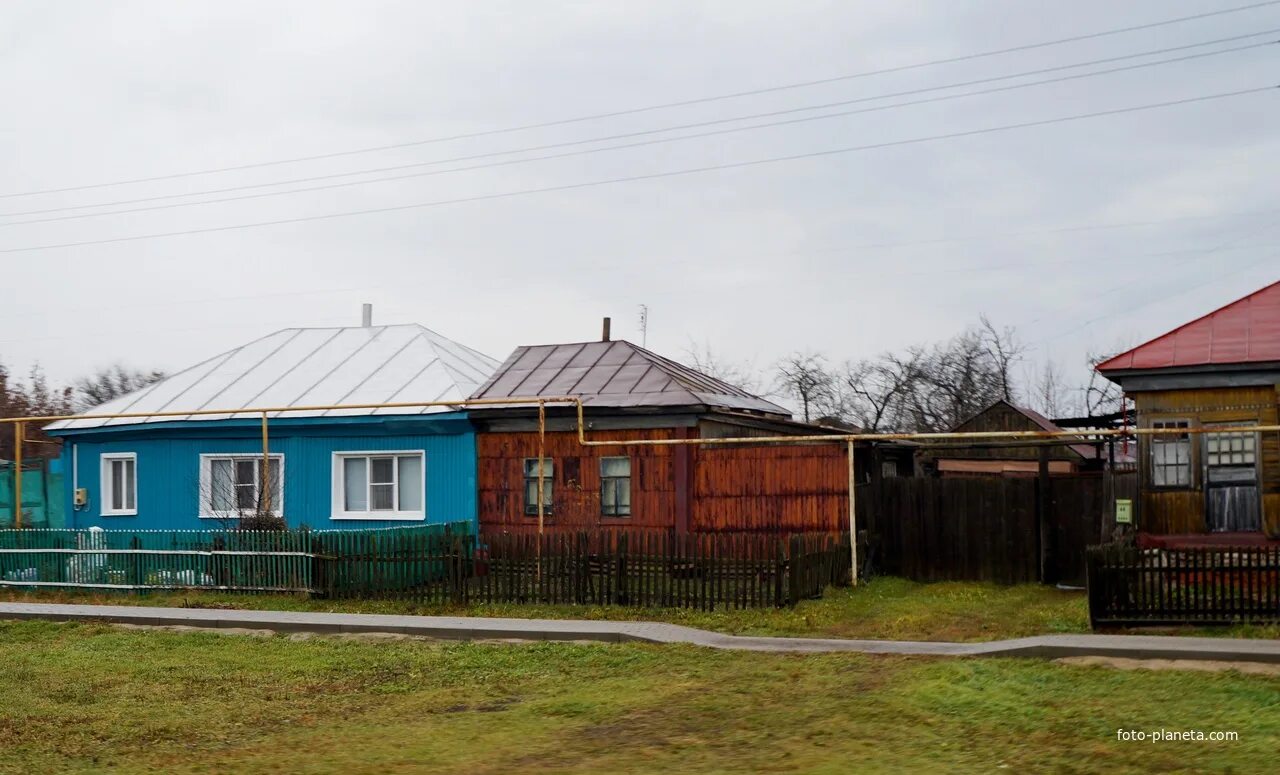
1244, 331
313, 366
615, 374
169, 476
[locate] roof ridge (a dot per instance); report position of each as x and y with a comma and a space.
1103, 366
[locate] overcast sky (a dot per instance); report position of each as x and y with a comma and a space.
1082, 233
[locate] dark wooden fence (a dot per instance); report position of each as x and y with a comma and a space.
602, 567
1006, 530
1129, 586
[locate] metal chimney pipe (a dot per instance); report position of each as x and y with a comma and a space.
604, 336
366, 315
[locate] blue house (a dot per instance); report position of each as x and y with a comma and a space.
327, 468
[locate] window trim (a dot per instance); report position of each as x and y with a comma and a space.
616, 514
206, 476
338, 481
1192, 454
548, 489
105, 486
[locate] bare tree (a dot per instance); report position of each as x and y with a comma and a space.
872, 394
742, 374
1048, 393
109, 383
934, 387
805, 378
1100, 395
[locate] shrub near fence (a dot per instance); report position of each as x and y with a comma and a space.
1129, 586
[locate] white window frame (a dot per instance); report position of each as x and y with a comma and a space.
206, 478
108, 493
339, 480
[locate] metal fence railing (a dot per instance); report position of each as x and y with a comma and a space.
439, 563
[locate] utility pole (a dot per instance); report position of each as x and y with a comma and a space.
644, 325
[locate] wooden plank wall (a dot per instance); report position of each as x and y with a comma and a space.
988, 529
782, 488
1182, 511
576, 489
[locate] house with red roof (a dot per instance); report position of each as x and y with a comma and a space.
1220, 370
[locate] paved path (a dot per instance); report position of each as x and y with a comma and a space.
479, 628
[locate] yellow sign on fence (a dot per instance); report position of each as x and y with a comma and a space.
1124, 511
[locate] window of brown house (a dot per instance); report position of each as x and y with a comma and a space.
531, 485
1171, 455
615, 486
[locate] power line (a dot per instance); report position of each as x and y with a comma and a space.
658, 131
647, 176
660, 106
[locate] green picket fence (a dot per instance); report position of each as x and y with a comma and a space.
231, 560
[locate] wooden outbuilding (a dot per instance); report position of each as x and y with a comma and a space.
631, 393
1220, 370
996, 457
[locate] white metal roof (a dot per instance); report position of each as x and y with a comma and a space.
309, 367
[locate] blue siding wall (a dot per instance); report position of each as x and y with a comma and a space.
169, 472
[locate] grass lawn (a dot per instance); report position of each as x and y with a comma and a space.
85, 698
888, 608
884, 608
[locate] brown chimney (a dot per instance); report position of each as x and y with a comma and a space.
604, 336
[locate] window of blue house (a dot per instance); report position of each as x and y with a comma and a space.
237, 485
120, 484
379, 485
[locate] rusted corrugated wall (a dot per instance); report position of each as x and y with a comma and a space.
779, 489
576, 481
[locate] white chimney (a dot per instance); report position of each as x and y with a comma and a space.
366, 315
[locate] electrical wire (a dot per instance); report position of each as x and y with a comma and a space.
660, 130
659, 106
646, 176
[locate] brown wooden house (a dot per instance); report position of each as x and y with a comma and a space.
632, 393
1222, 369
997, 457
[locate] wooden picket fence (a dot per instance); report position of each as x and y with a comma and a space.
1129, 586
603, 567
440, 564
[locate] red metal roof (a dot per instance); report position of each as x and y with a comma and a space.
1244, 331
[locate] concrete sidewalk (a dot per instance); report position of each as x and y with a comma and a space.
479, 628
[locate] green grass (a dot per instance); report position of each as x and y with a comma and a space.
885, 608
90, 698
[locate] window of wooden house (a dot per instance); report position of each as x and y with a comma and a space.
615, 486
531, 477
120, 484
1171, 455
1231, 449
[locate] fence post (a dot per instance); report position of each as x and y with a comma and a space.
793, 567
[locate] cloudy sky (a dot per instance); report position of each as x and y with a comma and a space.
1081, 233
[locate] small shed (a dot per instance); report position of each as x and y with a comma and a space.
1011, 457
1219, 370
325, 468
632, 393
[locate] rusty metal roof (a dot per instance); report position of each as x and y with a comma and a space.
616, 374
1245, 331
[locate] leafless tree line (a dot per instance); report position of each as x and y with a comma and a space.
929, 387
